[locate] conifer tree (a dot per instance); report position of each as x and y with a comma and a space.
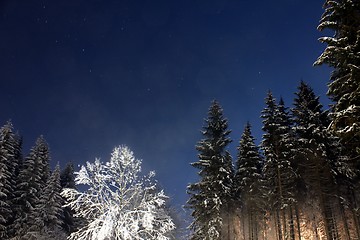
320, 157
32, 179
247, 182
210, 197
46, 214
279, 172
43, 158
18, 156
8, 164
67, 180
342, 54
17, 166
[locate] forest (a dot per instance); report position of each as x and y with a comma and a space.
301, 182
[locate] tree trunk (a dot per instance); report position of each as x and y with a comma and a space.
344, 220
298, 221
284, 227
278, 225
354, 209
291, 224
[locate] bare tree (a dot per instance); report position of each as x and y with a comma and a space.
119, 203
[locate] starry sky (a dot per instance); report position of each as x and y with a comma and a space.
93, 74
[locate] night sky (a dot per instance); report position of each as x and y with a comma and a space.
93, 74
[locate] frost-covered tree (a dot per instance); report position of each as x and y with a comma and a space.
8, 165
46, 214
247, 166
118, 202
248, 184
210, 198
312, 134
31, 181
67, 177
278, 169
319, 159
342, 54
67, 180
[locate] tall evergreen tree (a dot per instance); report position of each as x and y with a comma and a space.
342, 53
43, 158
18, 155
278, 168
247, 182
17, 166
32, 179
319, 154
46, 214
8, 164
67, 180
210, 197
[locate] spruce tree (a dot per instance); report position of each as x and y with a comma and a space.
247, 182
210, 197
279, 172
319, 156
43, 158
342, 54
67, 180
48, 209
31, 181
8, 164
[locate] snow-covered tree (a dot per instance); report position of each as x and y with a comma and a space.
342, 54
312, 134
8, 165
118, 202
67, 177
319, 159
247, 166
311, 130
46, 214
210, 198
248, 184
32, 180
278, 169
67, 180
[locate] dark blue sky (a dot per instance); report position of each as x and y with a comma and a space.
93, 74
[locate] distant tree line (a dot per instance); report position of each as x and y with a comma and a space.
303, 180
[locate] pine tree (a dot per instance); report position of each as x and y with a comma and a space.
247, 182
17, 166
319, 156
279, 173
342, 53
43, 158
32, 179
8, 164
67, 180
210, 197
46, 214
18, 156
67, 177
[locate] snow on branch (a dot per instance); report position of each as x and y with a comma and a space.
119, 203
